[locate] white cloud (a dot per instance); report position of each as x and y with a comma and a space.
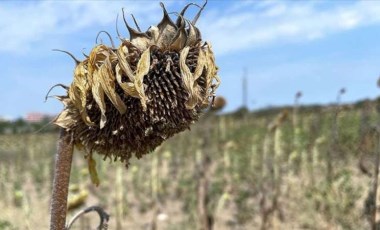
246, 26
239, 25
22, 26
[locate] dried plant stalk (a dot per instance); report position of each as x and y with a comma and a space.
271, 171
63, 161
295, 157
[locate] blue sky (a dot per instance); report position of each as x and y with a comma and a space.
316, 47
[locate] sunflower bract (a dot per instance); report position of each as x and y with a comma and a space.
126, 101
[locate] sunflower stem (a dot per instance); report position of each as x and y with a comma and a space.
63, 159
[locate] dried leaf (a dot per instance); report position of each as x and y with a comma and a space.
92, 170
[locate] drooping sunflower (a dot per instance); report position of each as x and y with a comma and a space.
127, 100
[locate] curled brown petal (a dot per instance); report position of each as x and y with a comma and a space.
141, 40
109, 36
178, 42
193, 34
117, 29
183, 12
167, 29
199, 13
85, 55
132, 32
166, 19
61, 85
70, 54
137, 26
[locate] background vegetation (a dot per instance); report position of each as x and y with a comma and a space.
282, 168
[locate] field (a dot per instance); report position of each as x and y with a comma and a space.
287, 168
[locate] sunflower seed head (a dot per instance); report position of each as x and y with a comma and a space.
126, 101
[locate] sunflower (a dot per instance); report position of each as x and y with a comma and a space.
127, 100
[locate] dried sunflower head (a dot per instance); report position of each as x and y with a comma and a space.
126, 101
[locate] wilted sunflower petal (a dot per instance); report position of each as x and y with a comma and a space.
107, 81
98, 94
64, 99
201, 63
81, 88
128, 87
123, 62
64, 119
211, 74
142, 70
212, 68
75, 90
188, 79
74, 95
136, 88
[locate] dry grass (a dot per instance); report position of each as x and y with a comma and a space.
162, 188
